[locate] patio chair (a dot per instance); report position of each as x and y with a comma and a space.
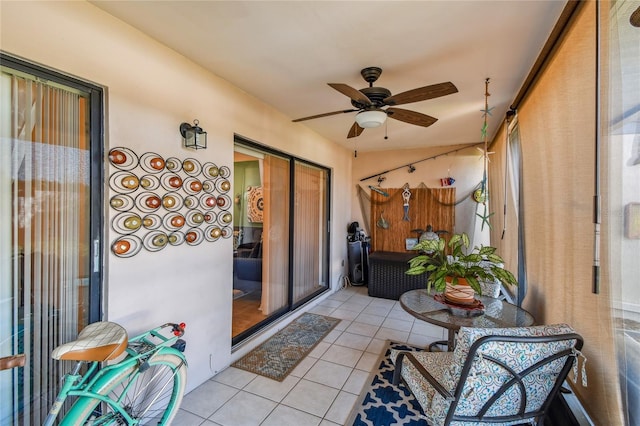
500, 376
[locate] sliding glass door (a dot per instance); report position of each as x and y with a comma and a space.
280, 235
311, 233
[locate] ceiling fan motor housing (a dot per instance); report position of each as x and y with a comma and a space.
375, 94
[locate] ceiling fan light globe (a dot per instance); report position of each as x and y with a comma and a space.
372, 118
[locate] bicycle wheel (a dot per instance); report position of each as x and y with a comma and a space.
150, 395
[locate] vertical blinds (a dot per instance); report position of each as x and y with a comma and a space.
47, 225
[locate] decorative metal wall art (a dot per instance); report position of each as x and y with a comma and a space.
159, 202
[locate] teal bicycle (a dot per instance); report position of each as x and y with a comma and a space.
143, 383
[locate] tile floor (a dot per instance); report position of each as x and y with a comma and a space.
323, 388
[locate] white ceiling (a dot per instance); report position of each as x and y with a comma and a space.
284, 53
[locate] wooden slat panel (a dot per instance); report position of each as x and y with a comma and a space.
426, 206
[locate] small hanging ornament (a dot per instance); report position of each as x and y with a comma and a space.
406, 195
448, 181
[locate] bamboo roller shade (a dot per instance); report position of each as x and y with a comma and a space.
427, 206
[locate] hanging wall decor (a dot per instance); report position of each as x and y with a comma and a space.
482, 197
255, 206
160, 202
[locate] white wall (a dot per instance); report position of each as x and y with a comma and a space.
150, 90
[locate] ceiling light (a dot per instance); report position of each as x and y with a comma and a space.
371, 118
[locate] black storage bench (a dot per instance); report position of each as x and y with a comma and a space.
387, 276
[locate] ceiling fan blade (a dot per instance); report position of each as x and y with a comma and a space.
411, 117
634, 19
354, 94
422, 94
354, 131
326, 114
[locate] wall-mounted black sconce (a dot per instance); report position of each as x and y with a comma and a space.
381, 179
411, 168
194, 136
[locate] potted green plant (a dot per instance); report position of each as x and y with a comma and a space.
458, 265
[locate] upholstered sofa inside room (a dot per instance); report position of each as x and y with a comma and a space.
247, 265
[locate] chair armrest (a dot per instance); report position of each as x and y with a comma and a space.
432, 381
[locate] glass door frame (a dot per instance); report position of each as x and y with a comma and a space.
96, 176
291, 305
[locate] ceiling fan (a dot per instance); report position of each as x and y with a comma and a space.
370, 101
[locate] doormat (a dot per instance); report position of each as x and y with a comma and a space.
383, 404
281, 353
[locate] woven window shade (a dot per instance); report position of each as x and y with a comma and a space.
557, 128
427, 206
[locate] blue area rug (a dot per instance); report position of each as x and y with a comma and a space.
382, 403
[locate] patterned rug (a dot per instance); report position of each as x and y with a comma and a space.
280, 354
383, 404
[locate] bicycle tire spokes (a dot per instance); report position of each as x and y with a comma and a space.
146, 392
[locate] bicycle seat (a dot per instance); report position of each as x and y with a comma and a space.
100, 341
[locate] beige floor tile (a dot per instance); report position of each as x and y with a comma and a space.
332, 336
342, 325
363, 329
341, 295
319, 349
359, 299
356, 381
342, 355
383, 303
310, 397
401, 314
393, 335
322, 310
272, 389
381, 311
287, 416
353, 341
207, 398
376, 346
330, 303
341, 407
397, 324
328, 373
344, 314
326, 422
234, 377
376, 320
185, 418
243, 409
368, 362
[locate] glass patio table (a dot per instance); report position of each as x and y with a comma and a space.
497, 313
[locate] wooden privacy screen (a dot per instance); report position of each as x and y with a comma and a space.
427, 206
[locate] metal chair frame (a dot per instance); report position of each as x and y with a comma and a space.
517, 379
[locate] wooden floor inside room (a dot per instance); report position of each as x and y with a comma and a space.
246, 312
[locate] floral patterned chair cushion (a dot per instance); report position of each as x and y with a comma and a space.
472, 374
